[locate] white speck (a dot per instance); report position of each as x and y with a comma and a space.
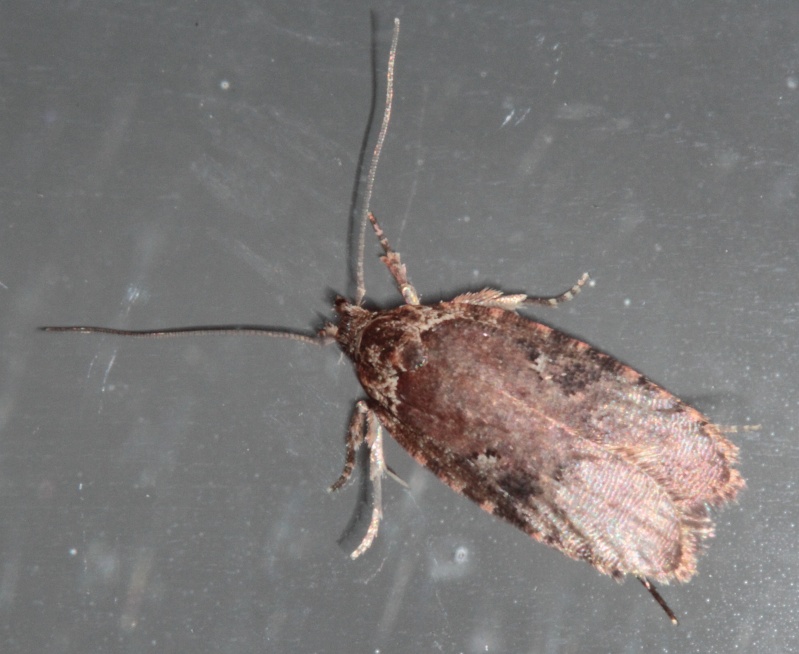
461, 554
483, 74
73, 552
792, 82
466, 219
508, 118
627, 302
224, 85
449, 561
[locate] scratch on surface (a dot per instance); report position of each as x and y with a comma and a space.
524, 115
91, 366
512, 116
418, 169
108, 371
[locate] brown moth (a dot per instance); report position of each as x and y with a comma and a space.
566, 443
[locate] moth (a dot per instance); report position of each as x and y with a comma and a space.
540, 429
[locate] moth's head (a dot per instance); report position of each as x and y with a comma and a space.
347, 330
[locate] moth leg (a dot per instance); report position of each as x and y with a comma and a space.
377, 468
354, 441
364, 425
563, 297
492, 298
656, 595
396, 477
394, 265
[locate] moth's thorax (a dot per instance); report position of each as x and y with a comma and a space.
385, 344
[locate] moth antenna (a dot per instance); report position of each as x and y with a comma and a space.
653, 591
563, 297
323, 337
220, 330
370, 178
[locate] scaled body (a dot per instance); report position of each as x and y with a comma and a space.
565, 442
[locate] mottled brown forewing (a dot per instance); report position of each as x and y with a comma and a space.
571, 446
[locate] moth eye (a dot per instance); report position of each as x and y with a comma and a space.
414, 356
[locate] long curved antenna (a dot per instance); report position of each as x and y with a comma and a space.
324, 336
213, 330
360, 291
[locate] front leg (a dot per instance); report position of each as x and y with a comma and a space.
364, 425
377, 468
395, 265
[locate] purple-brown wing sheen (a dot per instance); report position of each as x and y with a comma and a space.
574, 448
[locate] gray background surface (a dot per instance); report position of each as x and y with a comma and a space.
180, 163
